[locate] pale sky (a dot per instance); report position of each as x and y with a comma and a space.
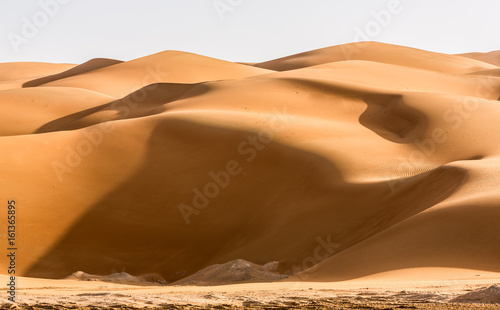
75, 31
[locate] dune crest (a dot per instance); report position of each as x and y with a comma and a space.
90, 65
491, 57
378, 52
165, 67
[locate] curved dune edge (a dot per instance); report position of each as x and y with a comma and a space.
379, 167
15, 74
88, 66
163, 67
383, 53
23, 70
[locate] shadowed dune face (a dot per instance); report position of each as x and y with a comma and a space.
309, 199
402, 247
389, 117
148, 100
334, 169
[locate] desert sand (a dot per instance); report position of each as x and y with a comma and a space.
70, 294
353, 166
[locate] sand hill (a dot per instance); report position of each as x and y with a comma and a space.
15, 74
486, 295
491, 57
236, 271
349, 162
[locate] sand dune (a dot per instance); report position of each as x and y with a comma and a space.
88, 66
21, 70
15, 74
378, 52
43, 106
170, 66
491, 57
383, 164
236, 271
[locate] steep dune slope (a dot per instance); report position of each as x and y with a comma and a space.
339, 170
462, 234
140, 213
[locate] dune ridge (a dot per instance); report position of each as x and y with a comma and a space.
358, 161
491, 57
90, 65
15, 74
378, 52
